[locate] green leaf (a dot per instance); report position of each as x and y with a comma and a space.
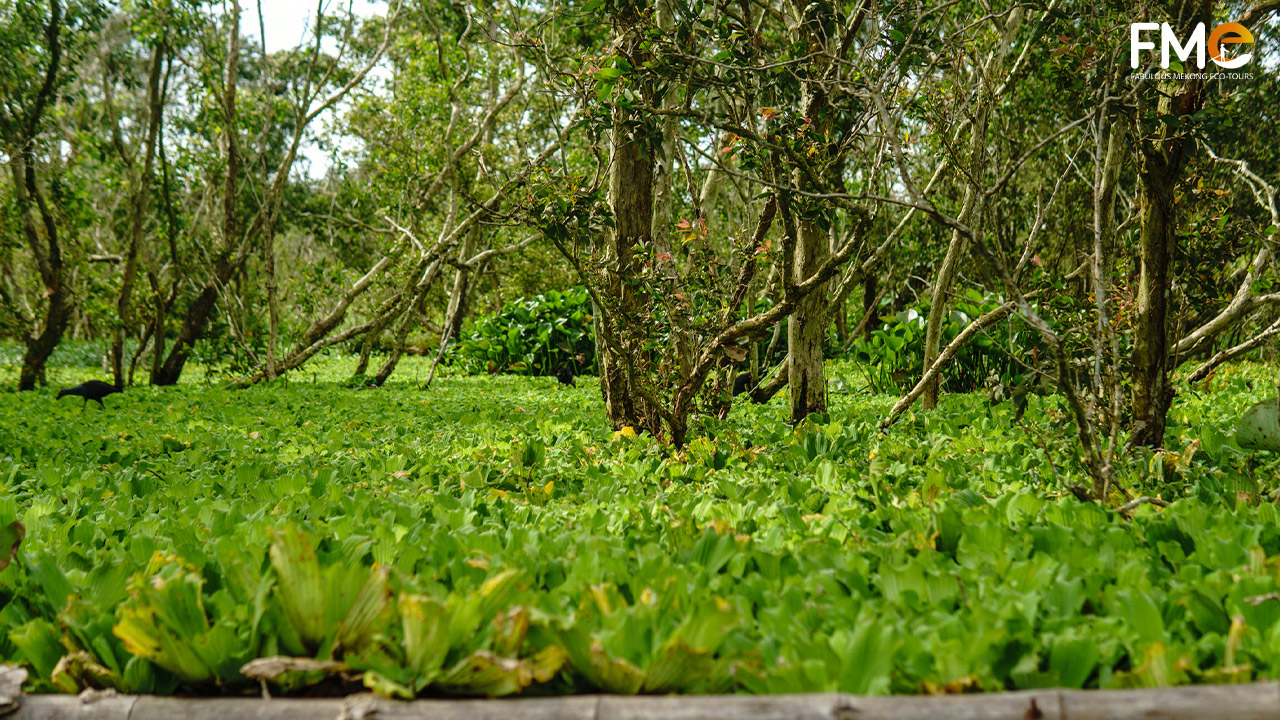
10, 538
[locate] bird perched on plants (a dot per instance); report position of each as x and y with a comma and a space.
565, 375
93, 390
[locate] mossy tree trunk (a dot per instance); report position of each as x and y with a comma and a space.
1162, 158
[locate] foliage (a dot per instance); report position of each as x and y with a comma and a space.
893, 354
498, 536
534, 336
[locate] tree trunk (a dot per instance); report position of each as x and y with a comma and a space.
971, 209
971, 214
870, 297
197, 318
273, 298
807, 329
407, 323
1152, 391
841, 313
631, 187
942, 283
631, 199
46, 252
1162, 157
48, 257
163, 303
456, 311
137, 214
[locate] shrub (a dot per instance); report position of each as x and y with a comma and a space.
534, 336
894, 354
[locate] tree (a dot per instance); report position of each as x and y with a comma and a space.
140, 181
320, 85
30, 85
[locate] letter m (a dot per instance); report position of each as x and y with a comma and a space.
1168, 39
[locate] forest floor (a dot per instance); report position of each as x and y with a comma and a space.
160, 550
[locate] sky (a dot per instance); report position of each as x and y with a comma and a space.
288, 23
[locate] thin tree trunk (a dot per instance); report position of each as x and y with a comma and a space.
1231, 353
163, 303
631, 190
807, 327
50, 265
406, 324
870, 299
456, 311
137, 213
1152, 391
972, 329
941, 290
273, 299
225, 265
971, 209
1162, 157
46, 253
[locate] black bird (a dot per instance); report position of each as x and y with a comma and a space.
93, 390
565, 376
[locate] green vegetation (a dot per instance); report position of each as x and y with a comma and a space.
534, 336
495, 536
893, 346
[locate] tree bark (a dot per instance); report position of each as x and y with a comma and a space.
631, 190
456, 311
1162, 157
225, 265
46, 253
137, 212
631, 199
807, 327
940, 294
50, 265
163, 302
870, 299
406, 324
971, 209
273, 297
1152, 391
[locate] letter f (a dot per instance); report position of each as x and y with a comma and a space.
1137, 44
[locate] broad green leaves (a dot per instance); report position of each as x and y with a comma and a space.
10, 538
409, 542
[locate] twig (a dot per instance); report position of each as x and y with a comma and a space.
1144, 500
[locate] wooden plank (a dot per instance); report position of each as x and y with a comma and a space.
581, 707
722, 707
1258, 701
1032, 705
63, 707
150, 707
364, 707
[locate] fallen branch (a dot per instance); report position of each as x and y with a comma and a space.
1230, 353
973, 328
1144, 500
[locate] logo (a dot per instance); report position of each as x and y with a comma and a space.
1224, 34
